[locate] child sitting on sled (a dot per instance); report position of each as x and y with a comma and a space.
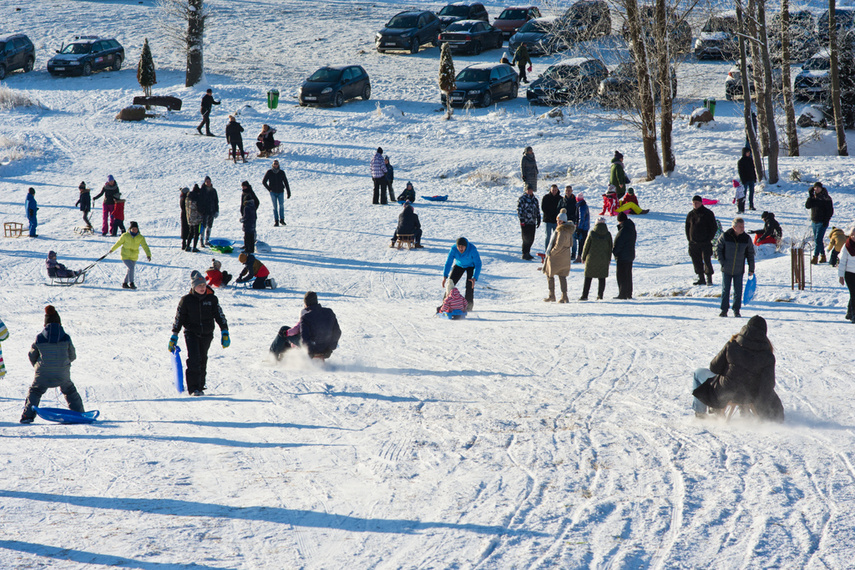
610, 202
453, 301
56, 269
215, 276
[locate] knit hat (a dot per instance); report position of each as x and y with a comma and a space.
562, 215
110, 178
32, 190
134, 225
622, 217
408, 204
51, 254
216, 264
185, 190
207, 179
409, 183
462, 241
196, 279
756, 322
580, 197
601, 220
242, 258
82, 186
697, 198
379, 150
310, 298
735, 183
51, 316
618, 155
630, 191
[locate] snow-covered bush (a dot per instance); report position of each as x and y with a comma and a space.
10, 99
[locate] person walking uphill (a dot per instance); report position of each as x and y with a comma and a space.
617, 176
109, 191
821, 210
596, 255
522, 59
733, 249
559, 256
51, 356
207, 102
277, 184
583, 225
131, 242
186, 240
32, 209
747, 175
846, 270
234, 138
378, 176
549, 205
193, 209
463, 258
196, 314
528, 168
701, 228
624, 252
85, 203
528, 211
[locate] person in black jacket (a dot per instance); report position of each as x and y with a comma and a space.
771, 231
549, 207
196, 313
317, 330
733, 249
266, 143
85, 203
390, 177
624, 252
277, 184
248, 219
747, 175
408, 225
207, 101
568, 202
742, 373
186, 241
700, 231
821, 210
210, 209
234, 138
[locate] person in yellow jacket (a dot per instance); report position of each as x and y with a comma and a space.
130, 242
836, 240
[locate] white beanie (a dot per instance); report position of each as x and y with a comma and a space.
562, 215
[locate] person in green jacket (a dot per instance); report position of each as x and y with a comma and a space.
522, 59
597, 255
130, 242
617, 176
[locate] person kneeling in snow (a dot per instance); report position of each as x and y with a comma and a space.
409, 193
317, 330
771, 231
196, 313
215, 276
56, 269
254, 269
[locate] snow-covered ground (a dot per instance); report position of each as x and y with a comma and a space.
529, 435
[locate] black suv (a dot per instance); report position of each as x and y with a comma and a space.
462, 11
16, 52
717, 39
586, 20
567, 81
803, 39
679, 30
844, 23
620, 88
86, 54
408, 31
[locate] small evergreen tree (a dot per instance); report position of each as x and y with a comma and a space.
145, 70
447, 84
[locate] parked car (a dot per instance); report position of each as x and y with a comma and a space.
620, 88
86, 54
333, 85
540, 37
408, 31
586, 20
484, 83
472, 36
567, 81
679, 29
718, 39
513, 18
16, 52
813, 82
462, 11
844, 24
803, 37
733, 82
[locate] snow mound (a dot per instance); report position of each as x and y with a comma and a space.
388, 112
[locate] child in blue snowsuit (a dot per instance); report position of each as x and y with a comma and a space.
31, 207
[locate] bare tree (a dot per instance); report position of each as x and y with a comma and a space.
663, 76
750, 133
833, 47
770, 128
183, 23
789, 111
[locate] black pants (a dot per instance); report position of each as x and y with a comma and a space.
249, 242
523, 77
237, 144
579, 238
601, 287
192, 236
624, 279
206, 122
456, 273
701, 254
528, 231
391, 191
86, 219
38, 389
379, 190
197, 359
849, 279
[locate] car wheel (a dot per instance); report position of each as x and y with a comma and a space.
87, 68
476, 48
487, 99
414, 46
338, 100
29, 65
516, 91
366, 92
2, 72
117, 63
381, 50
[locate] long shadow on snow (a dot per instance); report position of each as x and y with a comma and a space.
382, 397
252, 425
295, 517
85, 557
416, 372
202, 440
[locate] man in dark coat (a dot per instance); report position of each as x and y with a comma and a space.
568, 202
528, 211
277, 184
700, 231
733, 249
408, 225
747, 175
234, 138
210, 209
207, 101
821, 210
528, 168
549, 207
624, 252
248, 220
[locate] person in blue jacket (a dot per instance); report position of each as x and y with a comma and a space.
32, 207
464, 258
582, 227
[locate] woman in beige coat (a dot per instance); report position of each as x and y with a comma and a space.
559, 255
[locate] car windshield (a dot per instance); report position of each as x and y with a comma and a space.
459, 27
326, 75
561, 72
404, 21
817, 64
533, 26
474, 75
718, 25
512, 14
456, 11
76, 48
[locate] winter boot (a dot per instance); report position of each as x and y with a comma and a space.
281, 222
813, 260
563, 282
275, 223
131, 285
551, 297
700, 281
709, 279
822, 257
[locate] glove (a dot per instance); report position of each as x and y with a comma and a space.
226, 341
172, 340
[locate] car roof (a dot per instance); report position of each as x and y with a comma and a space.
525, 7
340, 66
574, 61
86, 39
487, 66
414, 12
12, 37
470, 22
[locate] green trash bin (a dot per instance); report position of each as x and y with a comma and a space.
272, 98
711, 106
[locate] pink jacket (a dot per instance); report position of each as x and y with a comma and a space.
454, 301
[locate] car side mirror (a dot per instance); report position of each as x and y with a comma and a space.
56, 50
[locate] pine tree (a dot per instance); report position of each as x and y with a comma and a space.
145, 70
446, 77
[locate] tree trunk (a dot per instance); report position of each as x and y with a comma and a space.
645, 91
666, 97
195, 37
750, 133
842, 149
792, 135
771, 129
750, 18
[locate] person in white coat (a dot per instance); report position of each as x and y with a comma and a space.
846, 270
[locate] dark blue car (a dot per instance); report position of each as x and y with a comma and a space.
471, 36
408, 31
333, 85
484, 83
87, 54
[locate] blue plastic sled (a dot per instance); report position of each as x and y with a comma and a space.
455, 314
750, 289
436, 198
177, 369
66, 416
222, 242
